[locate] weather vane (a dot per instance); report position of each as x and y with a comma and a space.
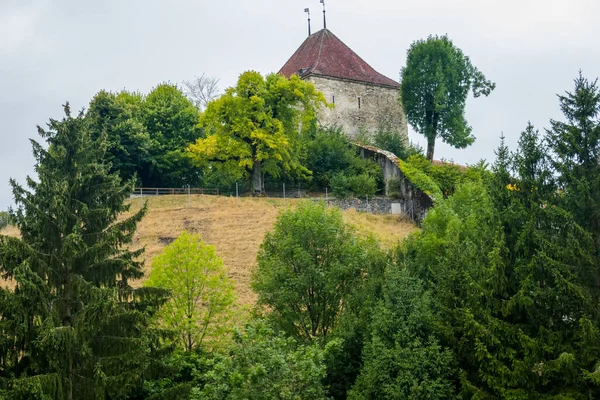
307, 10
324, 18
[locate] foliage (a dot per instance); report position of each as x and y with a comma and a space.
344, 349
362, 185
147, 135
511, 274
420, 179
73, 327
119, 117
264, 365
4, 219
403, 359
201, 293
575, 145
172, 122
340, 186
254, 126
435, 84
440, 179
393, 142
306, 268
329, 153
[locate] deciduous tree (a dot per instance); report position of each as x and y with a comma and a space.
256, 125
201, 293
435, 83
306, 269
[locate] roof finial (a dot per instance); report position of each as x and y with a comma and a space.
324, 16
307, 10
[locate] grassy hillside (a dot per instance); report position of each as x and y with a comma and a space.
235, 228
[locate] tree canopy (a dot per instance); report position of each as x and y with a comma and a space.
201, 293
148, 134
255, 127
436, 81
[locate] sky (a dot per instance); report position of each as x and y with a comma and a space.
53, 51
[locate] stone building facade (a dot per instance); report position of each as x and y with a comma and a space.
363, 99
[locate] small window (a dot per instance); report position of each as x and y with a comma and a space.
359, 103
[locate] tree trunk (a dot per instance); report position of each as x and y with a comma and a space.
430, 148
257, 177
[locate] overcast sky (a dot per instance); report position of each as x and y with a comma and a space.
52, 51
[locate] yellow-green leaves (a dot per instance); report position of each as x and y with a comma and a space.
258, 123
201, 292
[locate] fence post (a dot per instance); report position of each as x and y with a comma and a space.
141, 198
237, 192
189, 197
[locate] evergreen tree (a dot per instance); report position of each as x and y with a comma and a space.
576, 148
73, 326
510, 273
403, 359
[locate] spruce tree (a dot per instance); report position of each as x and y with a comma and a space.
575, 144
75, 329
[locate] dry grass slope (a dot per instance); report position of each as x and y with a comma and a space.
235, 228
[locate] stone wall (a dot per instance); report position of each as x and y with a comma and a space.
408, 196
380, 106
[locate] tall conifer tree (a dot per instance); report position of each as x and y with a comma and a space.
74, 326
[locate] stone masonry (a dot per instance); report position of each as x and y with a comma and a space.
360, 107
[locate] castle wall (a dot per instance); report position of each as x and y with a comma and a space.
380, 107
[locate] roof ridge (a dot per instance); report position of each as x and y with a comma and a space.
320, 50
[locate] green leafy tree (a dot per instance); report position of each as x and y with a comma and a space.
262, 364
171, 120
201, 293
436, 81
119, 117
255, 127
402, 358
306, 269
73, 328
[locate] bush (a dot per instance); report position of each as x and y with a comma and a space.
341, 186
264, 365
363, 185
327, 154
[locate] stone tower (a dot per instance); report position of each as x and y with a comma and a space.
364, 99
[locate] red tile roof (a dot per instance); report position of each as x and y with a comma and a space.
324, 54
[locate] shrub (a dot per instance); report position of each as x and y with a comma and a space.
363, 185
262, 364
341, 186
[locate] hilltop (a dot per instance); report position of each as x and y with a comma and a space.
236, 228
